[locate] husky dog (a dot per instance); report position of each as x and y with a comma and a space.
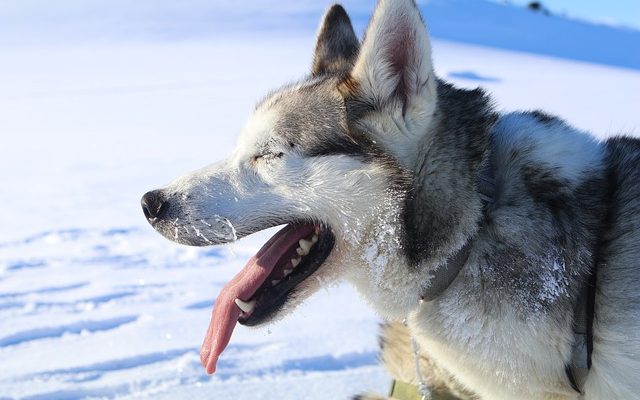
376, 168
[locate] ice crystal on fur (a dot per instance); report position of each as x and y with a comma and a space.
554, 282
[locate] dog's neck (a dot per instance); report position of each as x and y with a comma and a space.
439, 212
444, 208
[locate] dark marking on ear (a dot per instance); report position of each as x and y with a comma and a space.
337, 44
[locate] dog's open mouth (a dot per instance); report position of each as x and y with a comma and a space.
264, 284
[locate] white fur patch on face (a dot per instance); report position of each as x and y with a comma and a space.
256, 133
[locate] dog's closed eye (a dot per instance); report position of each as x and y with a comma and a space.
268, 156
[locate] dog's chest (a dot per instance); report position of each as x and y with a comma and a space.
497, 357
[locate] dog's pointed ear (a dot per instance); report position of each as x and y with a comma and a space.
337, 44
395, 59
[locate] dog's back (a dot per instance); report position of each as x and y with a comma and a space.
616, 338
616, 328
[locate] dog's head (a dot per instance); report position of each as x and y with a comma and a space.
329, 158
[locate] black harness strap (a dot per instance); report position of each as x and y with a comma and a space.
448, 272
578, 369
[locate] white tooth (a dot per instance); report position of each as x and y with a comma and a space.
295, 262
245, 306
287, 272
300, 252
274, 282
314, 239
305, 245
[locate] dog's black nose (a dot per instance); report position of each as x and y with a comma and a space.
153, 204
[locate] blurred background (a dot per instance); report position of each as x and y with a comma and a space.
102, 100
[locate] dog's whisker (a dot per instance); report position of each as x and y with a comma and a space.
200, 234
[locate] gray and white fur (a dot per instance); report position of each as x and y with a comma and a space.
375, 146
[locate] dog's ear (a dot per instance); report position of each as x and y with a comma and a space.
394, 63
337, 44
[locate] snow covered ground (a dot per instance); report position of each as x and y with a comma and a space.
93, 303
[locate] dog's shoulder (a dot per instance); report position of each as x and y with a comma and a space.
540, 140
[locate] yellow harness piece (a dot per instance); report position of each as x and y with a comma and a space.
404, 391
407, 391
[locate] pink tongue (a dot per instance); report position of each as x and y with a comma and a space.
243, 286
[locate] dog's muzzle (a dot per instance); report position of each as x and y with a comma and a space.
154, 204
167, 215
